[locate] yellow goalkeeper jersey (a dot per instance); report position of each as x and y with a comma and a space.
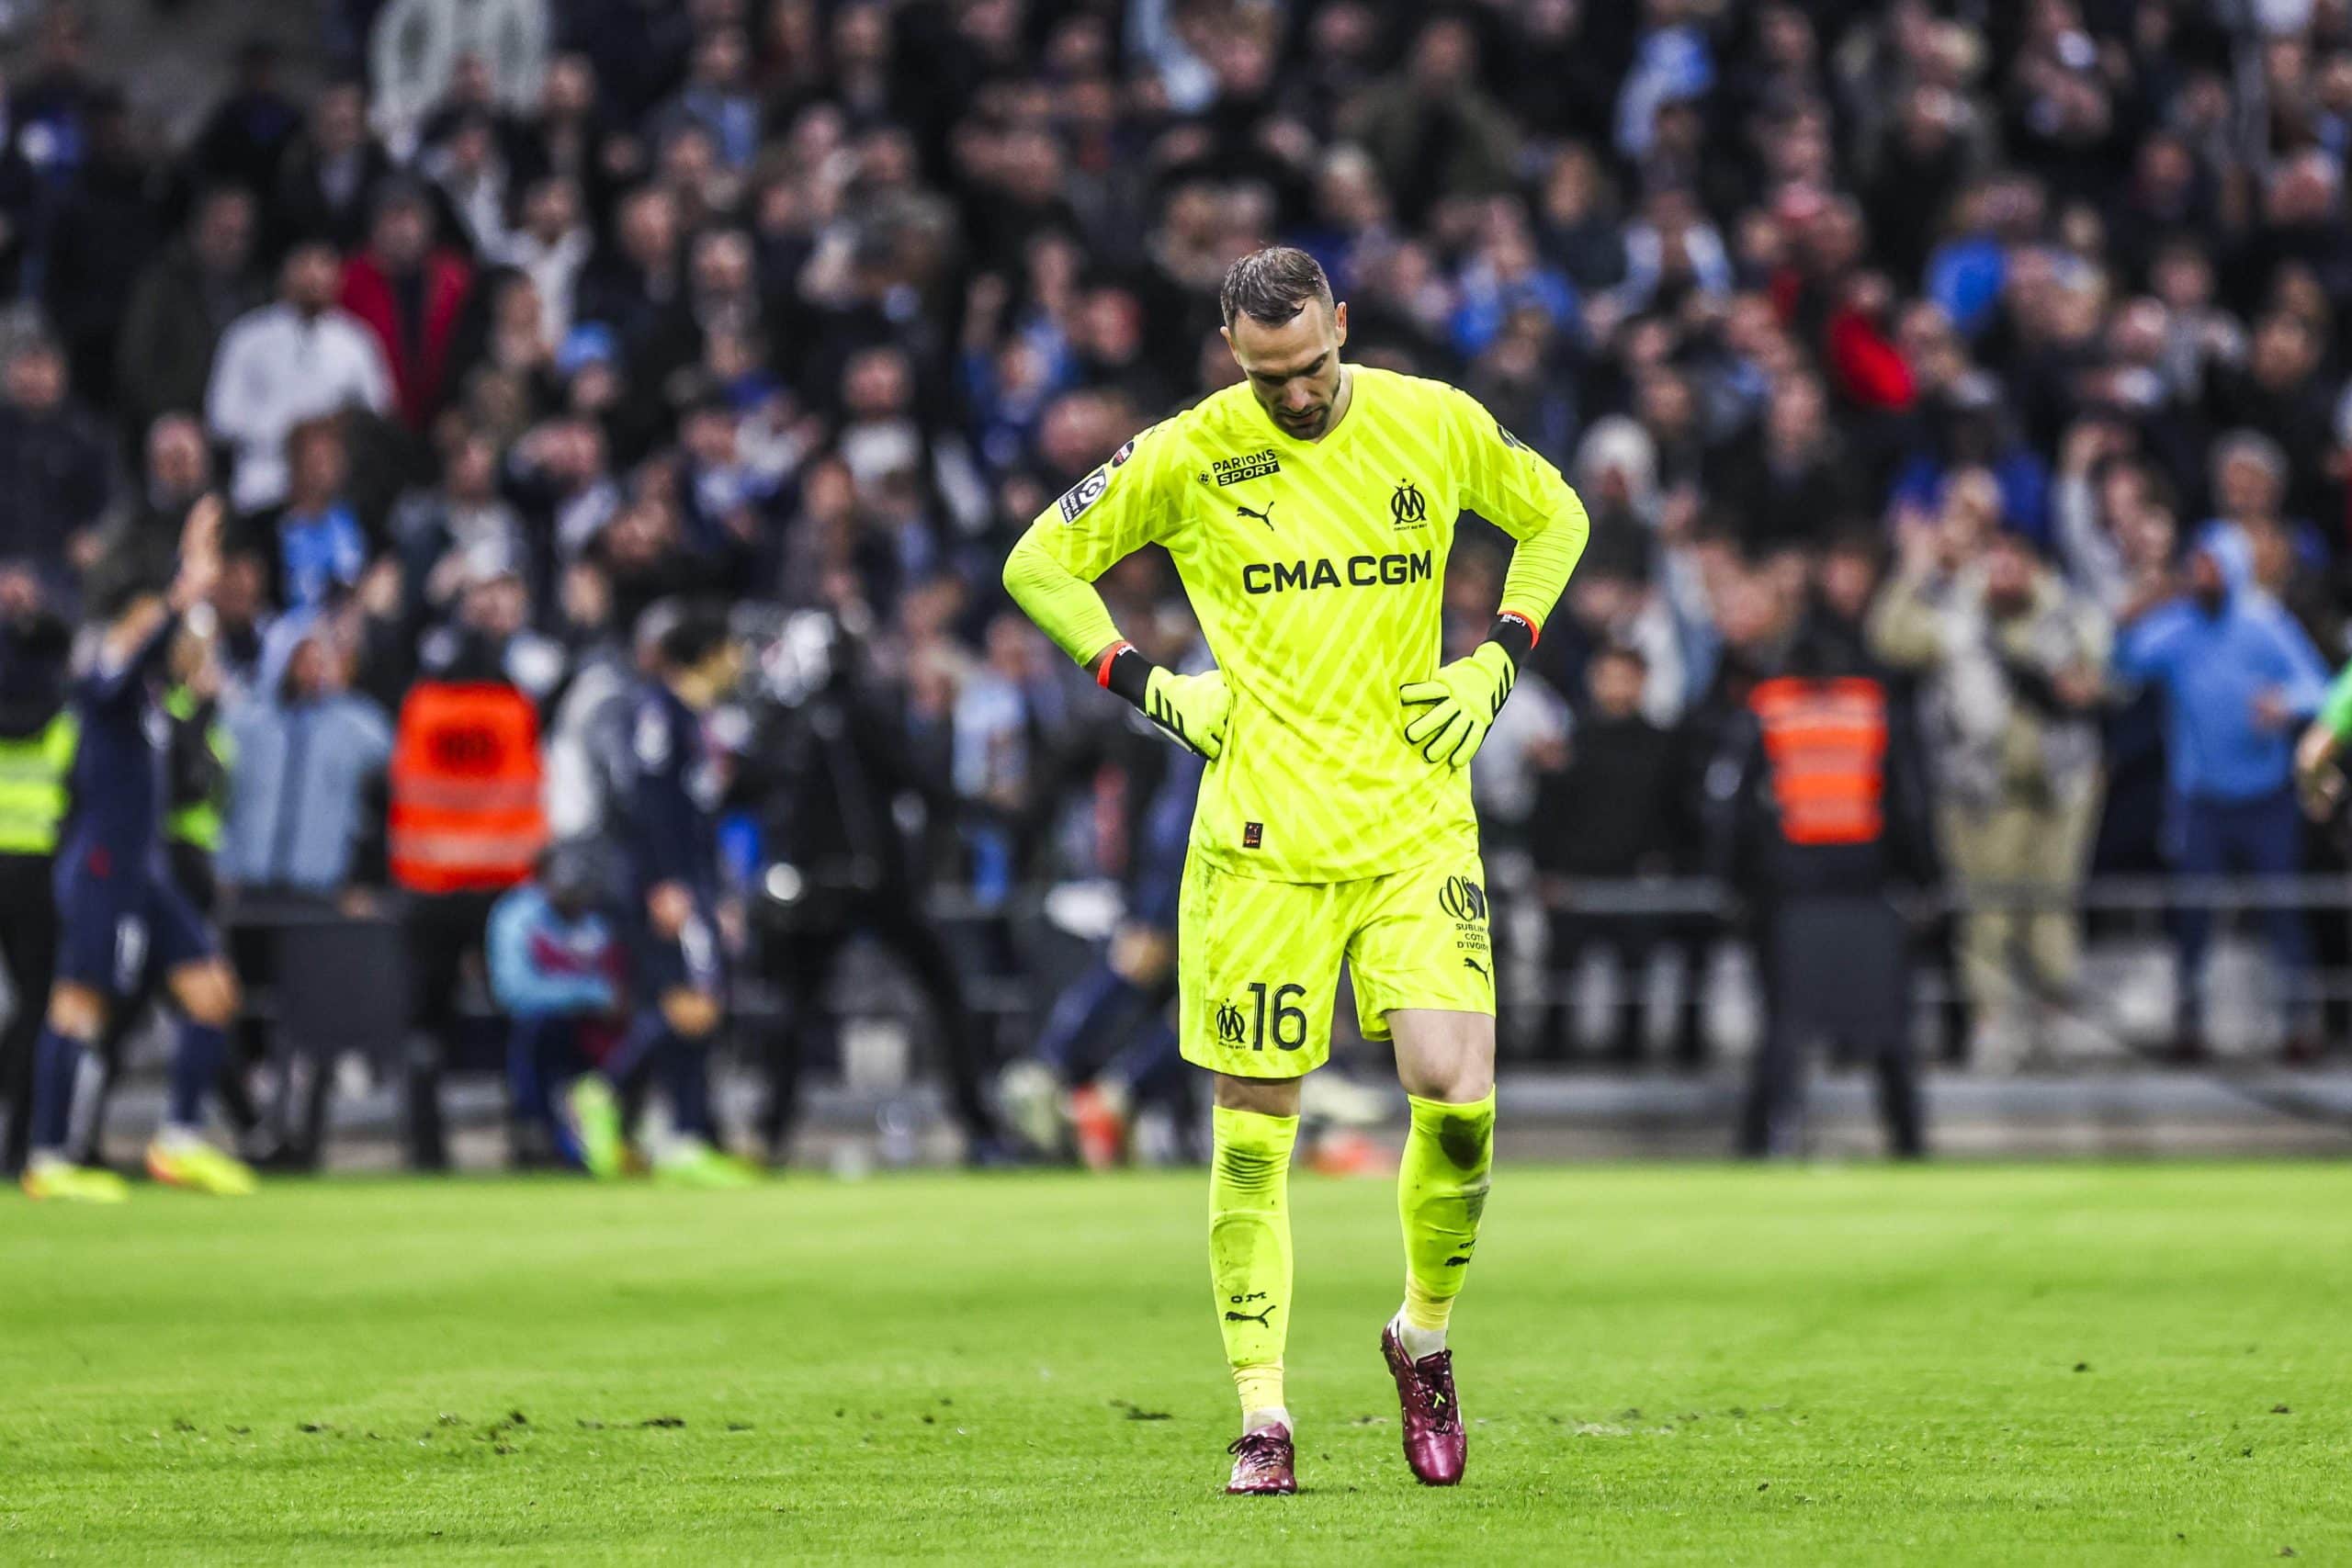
1317, 570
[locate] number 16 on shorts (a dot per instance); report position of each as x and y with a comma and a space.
1266, 1015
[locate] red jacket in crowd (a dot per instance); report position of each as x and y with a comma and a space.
419, 362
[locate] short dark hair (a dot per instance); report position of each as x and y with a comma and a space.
679, 634
1271, 286
1625, 652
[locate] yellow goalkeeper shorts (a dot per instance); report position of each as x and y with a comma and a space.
1258, 962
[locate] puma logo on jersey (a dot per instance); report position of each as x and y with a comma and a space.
1266, 516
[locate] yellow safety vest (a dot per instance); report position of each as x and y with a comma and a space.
35, 776
198, 822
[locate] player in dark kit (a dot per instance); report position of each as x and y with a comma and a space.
117, 903
666, 827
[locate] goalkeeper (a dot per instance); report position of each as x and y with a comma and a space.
1309, 509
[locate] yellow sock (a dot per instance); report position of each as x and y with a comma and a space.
1441, 1194
1260, 1386
1250, 1258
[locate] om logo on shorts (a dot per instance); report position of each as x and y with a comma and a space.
1463, 898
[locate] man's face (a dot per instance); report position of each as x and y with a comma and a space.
1293, 368
319, 465
307, 670
722, 264
37, 379
1617, 686
175, 456
312, 275
1849, 580
340, 121
551, 208
225, 233
2247, 487
2009, 575
497, 606
402, 233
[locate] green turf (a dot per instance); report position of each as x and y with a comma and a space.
1707, 1365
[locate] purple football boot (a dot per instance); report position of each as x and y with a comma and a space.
1435, 1444
1262, 1464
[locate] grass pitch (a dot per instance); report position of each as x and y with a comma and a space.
1706, 1365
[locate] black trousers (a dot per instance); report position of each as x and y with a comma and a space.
29, 948
801, 959
442, 931
1836, 970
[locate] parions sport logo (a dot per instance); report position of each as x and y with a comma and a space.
1394, 571
1250, 466
1463, 899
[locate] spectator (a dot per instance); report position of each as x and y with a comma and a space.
243, 140
326, 182
551, 247
1792, 484
2013, 660
557, 968
1611, 816
408, 291
180, 308
107, 225
53, 468
299, 359
178, 470
440, 532
2237, 677
473, 183
2286, 558
1969, 430
1430, 127
314, 542
717, 99
304, 818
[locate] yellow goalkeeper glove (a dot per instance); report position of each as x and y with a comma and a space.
1458, 704
1192, 710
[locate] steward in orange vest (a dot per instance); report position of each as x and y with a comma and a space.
467, 779
1819, 810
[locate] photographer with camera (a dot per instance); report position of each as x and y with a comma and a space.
834, 764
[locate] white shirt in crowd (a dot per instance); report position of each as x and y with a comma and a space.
277, 368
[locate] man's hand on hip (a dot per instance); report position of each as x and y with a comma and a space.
1450, 714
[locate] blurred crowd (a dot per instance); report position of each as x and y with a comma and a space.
2006, 341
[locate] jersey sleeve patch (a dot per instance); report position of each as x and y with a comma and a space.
1084, 493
